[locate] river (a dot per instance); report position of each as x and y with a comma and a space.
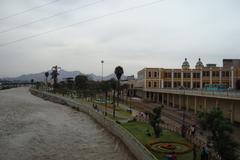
34, 129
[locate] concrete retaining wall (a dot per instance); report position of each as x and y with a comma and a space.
134, 146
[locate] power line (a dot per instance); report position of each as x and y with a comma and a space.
28, 10
81, 22
50, 17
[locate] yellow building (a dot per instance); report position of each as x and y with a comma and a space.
191, 78
194, 89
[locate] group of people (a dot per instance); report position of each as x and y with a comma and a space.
142, 117
204, 154
172, 156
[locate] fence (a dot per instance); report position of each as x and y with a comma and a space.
220, 94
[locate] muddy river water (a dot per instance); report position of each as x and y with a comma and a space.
34, 129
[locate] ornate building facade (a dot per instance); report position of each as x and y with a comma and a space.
185, 87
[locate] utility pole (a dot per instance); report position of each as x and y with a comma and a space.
102, 61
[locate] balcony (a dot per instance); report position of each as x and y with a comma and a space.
232, 95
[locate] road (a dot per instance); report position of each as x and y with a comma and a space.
34, 129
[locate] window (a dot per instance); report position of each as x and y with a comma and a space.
196, 75
187, 84
149, 74
225, 73
167, 74
186, 75
177, 75
196, 85
155, 74
167, 84
215, 74
206, 73
149, 84
176, 84
155, 84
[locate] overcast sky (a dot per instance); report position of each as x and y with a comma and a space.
159, 35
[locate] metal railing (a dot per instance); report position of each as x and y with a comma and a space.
220, 94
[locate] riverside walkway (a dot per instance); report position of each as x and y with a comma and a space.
31, 128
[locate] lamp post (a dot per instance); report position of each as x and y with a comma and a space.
102, 61
183, 118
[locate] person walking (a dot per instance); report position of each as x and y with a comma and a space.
194, 152
206, 152
203, 154
174, 156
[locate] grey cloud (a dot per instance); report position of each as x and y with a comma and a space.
161, 35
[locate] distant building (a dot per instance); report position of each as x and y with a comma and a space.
130, 78
228, 63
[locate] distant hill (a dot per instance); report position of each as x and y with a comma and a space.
62, 74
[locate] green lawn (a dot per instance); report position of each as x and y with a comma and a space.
138, 129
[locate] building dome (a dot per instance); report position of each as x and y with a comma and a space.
199, 64
185, 64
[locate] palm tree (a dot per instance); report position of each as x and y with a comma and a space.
118, 72
46, 75
55, 74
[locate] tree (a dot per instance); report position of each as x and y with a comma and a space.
81, 84
54, 75
46, 75
155, 119
114, 87
118, 72
124, 89
221, 130
93, 88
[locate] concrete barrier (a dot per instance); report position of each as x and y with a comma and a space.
134, 146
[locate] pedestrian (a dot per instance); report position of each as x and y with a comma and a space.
202, 154
193, 130
174, 156
194, 152
206, 152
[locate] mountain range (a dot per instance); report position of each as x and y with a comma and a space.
62, 75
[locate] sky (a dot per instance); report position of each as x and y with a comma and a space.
34, 36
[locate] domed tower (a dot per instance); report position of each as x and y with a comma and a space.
199, 64
185, 64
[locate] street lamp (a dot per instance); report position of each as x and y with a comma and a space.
183, 130
102, 61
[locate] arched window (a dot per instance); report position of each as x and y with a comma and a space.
149, 84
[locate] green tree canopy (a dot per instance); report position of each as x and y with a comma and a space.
155, 119
221, 130
81, 82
